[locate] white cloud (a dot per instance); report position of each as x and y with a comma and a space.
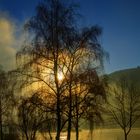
9, 41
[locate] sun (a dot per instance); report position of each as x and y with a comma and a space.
60, 76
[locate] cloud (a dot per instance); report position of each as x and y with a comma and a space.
9, 41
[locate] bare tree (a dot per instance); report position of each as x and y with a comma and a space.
51, 26
94, 109
6, 101
31, 116
59, 54
124, 105
88, 94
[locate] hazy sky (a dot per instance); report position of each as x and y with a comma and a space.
120, 20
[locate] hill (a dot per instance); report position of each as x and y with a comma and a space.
131, 75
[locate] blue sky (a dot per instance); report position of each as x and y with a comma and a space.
120, 20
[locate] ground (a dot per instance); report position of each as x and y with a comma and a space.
103, 134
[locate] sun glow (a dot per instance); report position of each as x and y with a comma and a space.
60, 76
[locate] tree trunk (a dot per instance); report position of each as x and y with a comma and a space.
58, 119
50, 134
77, 120
69, 129
125, 135
1, 131
27, 138
77, 131
69, 117
91, 134
91, 128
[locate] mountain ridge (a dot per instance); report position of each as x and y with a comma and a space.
131, 75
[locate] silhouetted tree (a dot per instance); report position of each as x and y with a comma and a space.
6, 101
87, 88
81, 66
59, 54
124, 105
31, 116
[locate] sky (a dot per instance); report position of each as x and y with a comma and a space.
119, 19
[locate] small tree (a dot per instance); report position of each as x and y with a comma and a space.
31, 116
124, 105
6, 101
87, 97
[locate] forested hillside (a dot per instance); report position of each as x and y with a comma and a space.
131, 75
